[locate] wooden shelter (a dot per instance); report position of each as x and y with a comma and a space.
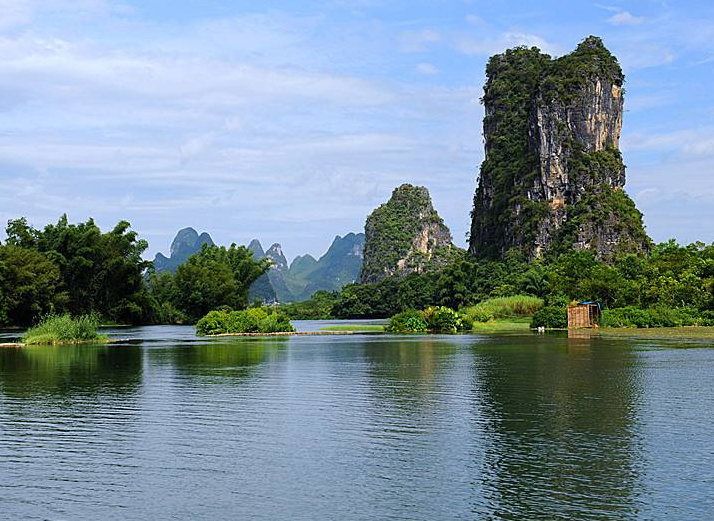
584, 314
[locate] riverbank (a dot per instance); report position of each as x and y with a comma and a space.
684, 332
285, 333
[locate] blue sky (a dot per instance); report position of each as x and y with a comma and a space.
290, 121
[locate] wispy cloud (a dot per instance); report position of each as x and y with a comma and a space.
625, 18
292, 125
418, 41
486, 45
427, 69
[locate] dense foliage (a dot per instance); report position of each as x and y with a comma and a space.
673, 277
72, 268
63, 329
252, 320
214, 277
317, 307
435, 319
76, 269
504, 307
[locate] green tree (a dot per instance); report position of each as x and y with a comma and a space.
29, 286
100, 272
214, 277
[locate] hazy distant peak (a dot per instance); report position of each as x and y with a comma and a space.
256, 248
186, 243
186, 237
275, 254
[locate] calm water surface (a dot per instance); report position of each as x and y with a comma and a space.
167, 426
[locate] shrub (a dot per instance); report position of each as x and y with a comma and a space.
253, 320
479, 315
443, 319
63, 329
629, 316
553, 317
659, 316
432, 319
410, 321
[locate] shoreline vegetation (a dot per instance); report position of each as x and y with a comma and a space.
252, 321
505, 282
65, 330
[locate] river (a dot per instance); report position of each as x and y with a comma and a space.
164, 425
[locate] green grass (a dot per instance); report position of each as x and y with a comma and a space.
63, 329
504, 307
363, 328
503, 325
683, 333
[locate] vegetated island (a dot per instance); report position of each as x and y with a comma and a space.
63, 330
551, 225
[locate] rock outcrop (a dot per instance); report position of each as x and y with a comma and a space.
405, 235
553, 176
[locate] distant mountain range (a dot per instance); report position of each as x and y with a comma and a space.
284, 282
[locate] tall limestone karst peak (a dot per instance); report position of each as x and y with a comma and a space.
553, 177
275, 254
186, 243
302, 265
186, 237
404, 235
256, 248
351, 245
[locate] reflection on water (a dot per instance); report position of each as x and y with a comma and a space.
62, 370
228, 357
165, 425
562, 419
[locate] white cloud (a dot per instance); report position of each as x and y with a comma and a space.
625, 18
486, 46
427, 69
474, 19
417, 41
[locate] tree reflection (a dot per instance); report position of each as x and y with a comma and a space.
406, 372
69, 369
235, 357
561, 420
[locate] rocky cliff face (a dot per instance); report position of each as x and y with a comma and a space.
553, 175
405, 235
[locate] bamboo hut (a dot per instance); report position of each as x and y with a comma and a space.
584, 315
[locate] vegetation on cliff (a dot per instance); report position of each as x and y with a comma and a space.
405, 235
553, 175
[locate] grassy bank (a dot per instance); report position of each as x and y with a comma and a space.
359, 328
503, 325
63, 329
672, 333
